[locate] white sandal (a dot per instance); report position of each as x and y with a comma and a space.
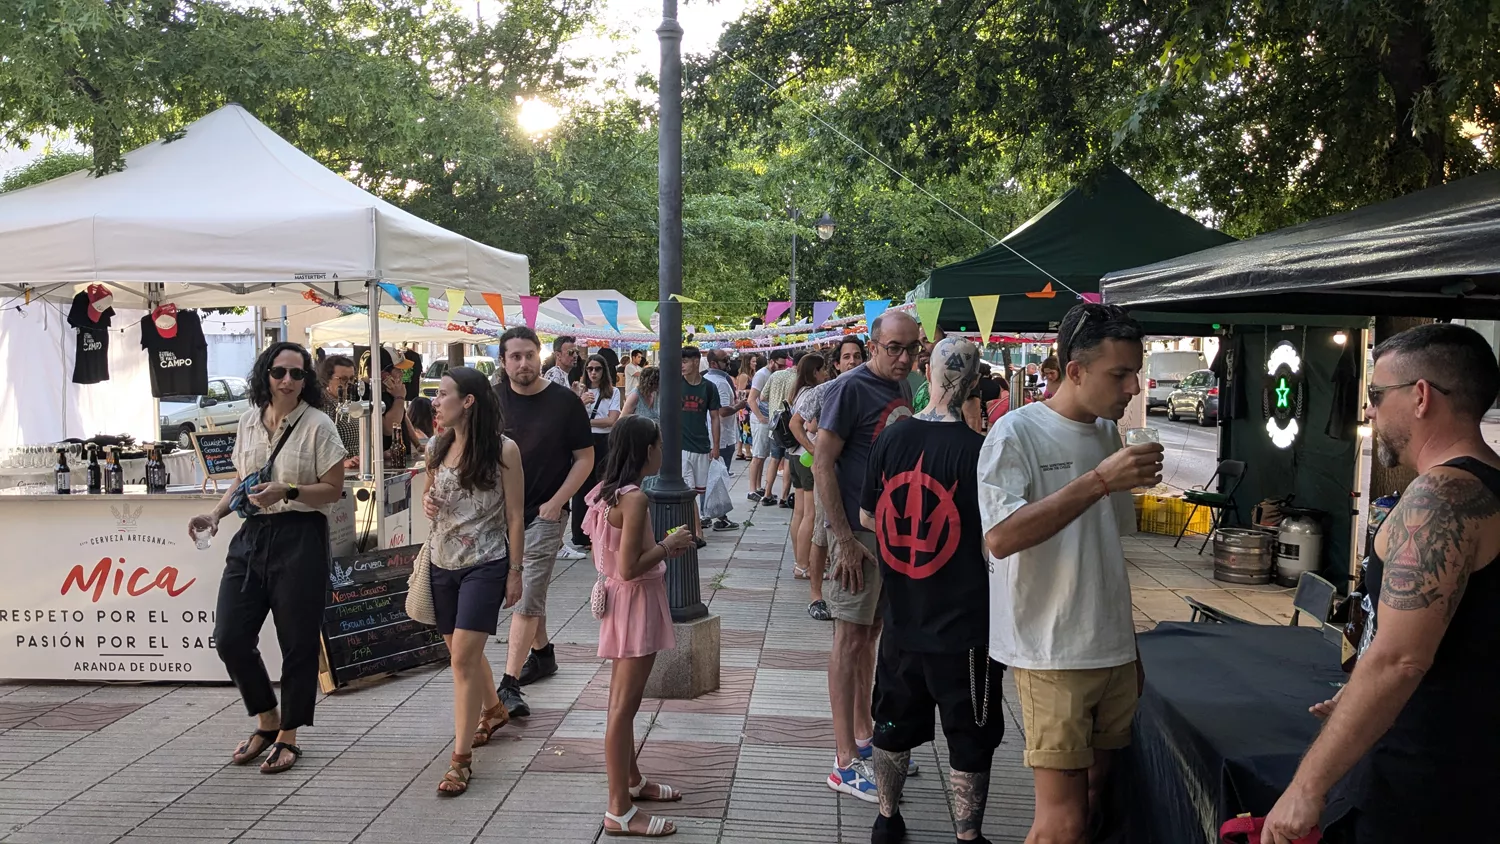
657, 828
664, 793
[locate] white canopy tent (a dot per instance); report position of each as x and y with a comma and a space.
355, 329
229, 214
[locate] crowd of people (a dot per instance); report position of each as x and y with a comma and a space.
948, 530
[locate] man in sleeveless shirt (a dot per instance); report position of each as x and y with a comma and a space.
1410, 747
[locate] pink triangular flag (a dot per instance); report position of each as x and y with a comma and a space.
1092, 298
822, 311
572, 307
774, 310
529, 306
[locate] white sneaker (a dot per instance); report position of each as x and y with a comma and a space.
568, 552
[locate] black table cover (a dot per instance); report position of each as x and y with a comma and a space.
1222, 724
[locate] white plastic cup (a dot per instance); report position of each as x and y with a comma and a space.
1142, 436
204, 539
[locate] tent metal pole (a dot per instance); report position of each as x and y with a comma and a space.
377, 416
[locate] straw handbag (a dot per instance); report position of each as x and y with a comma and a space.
419, 589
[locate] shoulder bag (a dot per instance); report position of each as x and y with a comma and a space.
240, 501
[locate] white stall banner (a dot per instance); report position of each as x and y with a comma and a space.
112, 588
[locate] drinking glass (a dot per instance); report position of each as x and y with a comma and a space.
1141, 436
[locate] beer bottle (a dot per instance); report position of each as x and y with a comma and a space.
64, 473
114, 475
95, 474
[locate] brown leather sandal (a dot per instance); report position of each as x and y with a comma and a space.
490, 720
456, 781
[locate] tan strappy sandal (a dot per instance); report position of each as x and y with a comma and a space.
456, 781
490, 720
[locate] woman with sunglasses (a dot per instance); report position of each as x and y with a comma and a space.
602, 400
278, 561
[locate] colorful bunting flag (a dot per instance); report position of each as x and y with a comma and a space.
681, 298
1045, 293
644, 310
496, 304
710, 329
873, 309
822, 311
529, 305
455, 304
572, 307
391, 290
1092, 298
611, 310
984, 312
928, 311
419, 296
774, 310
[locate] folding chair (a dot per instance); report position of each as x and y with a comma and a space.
1213, 615
1231, 472
1314, 598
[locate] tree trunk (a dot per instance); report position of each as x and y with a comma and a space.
455, 354
1386, 480
1408, 69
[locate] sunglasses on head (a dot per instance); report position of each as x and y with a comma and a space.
280, 372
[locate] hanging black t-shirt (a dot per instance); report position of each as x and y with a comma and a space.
922, 486
547, 427
178, 364
91, 362
413, 377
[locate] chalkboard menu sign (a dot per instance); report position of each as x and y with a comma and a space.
365, 629
215, 451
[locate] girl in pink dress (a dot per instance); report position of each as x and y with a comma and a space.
637, 621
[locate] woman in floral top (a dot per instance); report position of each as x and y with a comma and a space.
474, 474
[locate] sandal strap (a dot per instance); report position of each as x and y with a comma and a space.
657, 825
622, 820
279, 746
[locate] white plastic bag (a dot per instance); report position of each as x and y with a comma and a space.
716, 500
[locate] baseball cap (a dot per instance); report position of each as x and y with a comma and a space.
165, 319
100, 300
387, 362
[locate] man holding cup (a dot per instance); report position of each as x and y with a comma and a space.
1054, 493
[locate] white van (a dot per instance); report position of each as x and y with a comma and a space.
1164, 370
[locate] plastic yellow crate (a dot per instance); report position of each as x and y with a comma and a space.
1165, 515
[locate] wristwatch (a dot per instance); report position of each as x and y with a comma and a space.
292, 492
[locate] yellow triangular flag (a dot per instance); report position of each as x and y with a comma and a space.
984, 314
681, 298
455, 301
927, 313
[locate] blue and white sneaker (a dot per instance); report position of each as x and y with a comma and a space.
867, 753
855, 780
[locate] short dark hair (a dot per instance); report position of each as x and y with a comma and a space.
1088, 325
838, 349
690, 352
562, 340
260, 376
520, 332
780, 354
1454, 357
327, 365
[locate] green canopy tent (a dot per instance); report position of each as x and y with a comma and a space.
1106, 223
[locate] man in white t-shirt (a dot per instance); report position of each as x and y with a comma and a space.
761, 446
1054, 491
726, 417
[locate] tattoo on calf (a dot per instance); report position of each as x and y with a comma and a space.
1431, 536
890, 779
970, 791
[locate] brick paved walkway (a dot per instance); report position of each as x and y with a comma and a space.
86, 764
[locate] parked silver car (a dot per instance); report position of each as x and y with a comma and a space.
226, 401
1196, 397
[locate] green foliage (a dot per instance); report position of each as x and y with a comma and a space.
49, 166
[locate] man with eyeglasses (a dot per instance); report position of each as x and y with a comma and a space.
1054, 493
1408, 749
857, 406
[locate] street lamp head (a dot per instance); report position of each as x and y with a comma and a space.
824, 226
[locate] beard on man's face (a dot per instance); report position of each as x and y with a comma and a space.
1389, 445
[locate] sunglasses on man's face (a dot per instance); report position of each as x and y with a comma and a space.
280, 372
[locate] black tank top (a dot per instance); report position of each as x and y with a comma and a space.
1435, 774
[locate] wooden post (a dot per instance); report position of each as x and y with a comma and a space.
1385, 480
455, 354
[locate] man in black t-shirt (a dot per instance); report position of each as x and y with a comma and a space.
551, 428
921, 498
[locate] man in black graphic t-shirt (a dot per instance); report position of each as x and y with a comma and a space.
90, 314
921, 499
176, 351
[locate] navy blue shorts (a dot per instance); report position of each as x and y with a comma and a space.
470, 598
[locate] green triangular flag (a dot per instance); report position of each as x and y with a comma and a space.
644, 310
419, 296
927, 314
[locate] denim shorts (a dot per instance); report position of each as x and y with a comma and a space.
469, 598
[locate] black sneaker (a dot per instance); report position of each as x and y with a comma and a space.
890, 830
787, 503
701, 543
515, 704
819, 611
722, 523
769, 501
756, 496
539, 665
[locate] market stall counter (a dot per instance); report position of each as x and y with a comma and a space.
110, 587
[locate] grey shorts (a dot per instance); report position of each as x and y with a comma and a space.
760, 439
857, 608
543, 540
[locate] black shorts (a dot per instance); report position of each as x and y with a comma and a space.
907, 687
469, 598
802, 476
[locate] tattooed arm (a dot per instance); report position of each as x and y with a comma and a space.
1444, 526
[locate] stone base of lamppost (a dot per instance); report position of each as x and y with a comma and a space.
691, 668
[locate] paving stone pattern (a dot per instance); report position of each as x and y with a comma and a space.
88, 764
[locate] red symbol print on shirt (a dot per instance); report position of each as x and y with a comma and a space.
895, 411
928, 543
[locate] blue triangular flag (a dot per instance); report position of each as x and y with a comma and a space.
873, 309
611, 310
392, 290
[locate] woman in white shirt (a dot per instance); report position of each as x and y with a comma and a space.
602, 399
278, 560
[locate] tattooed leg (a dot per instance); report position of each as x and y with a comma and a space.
890, 779
970, 792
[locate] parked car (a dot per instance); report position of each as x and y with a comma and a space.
226, 401
438, 368
1165, 370
1196, 397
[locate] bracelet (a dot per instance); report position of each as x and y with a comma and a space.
1102, 482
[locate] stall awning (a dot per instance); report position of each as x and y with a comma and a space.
355, 329
1103, 224
1432, 253
230, 214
